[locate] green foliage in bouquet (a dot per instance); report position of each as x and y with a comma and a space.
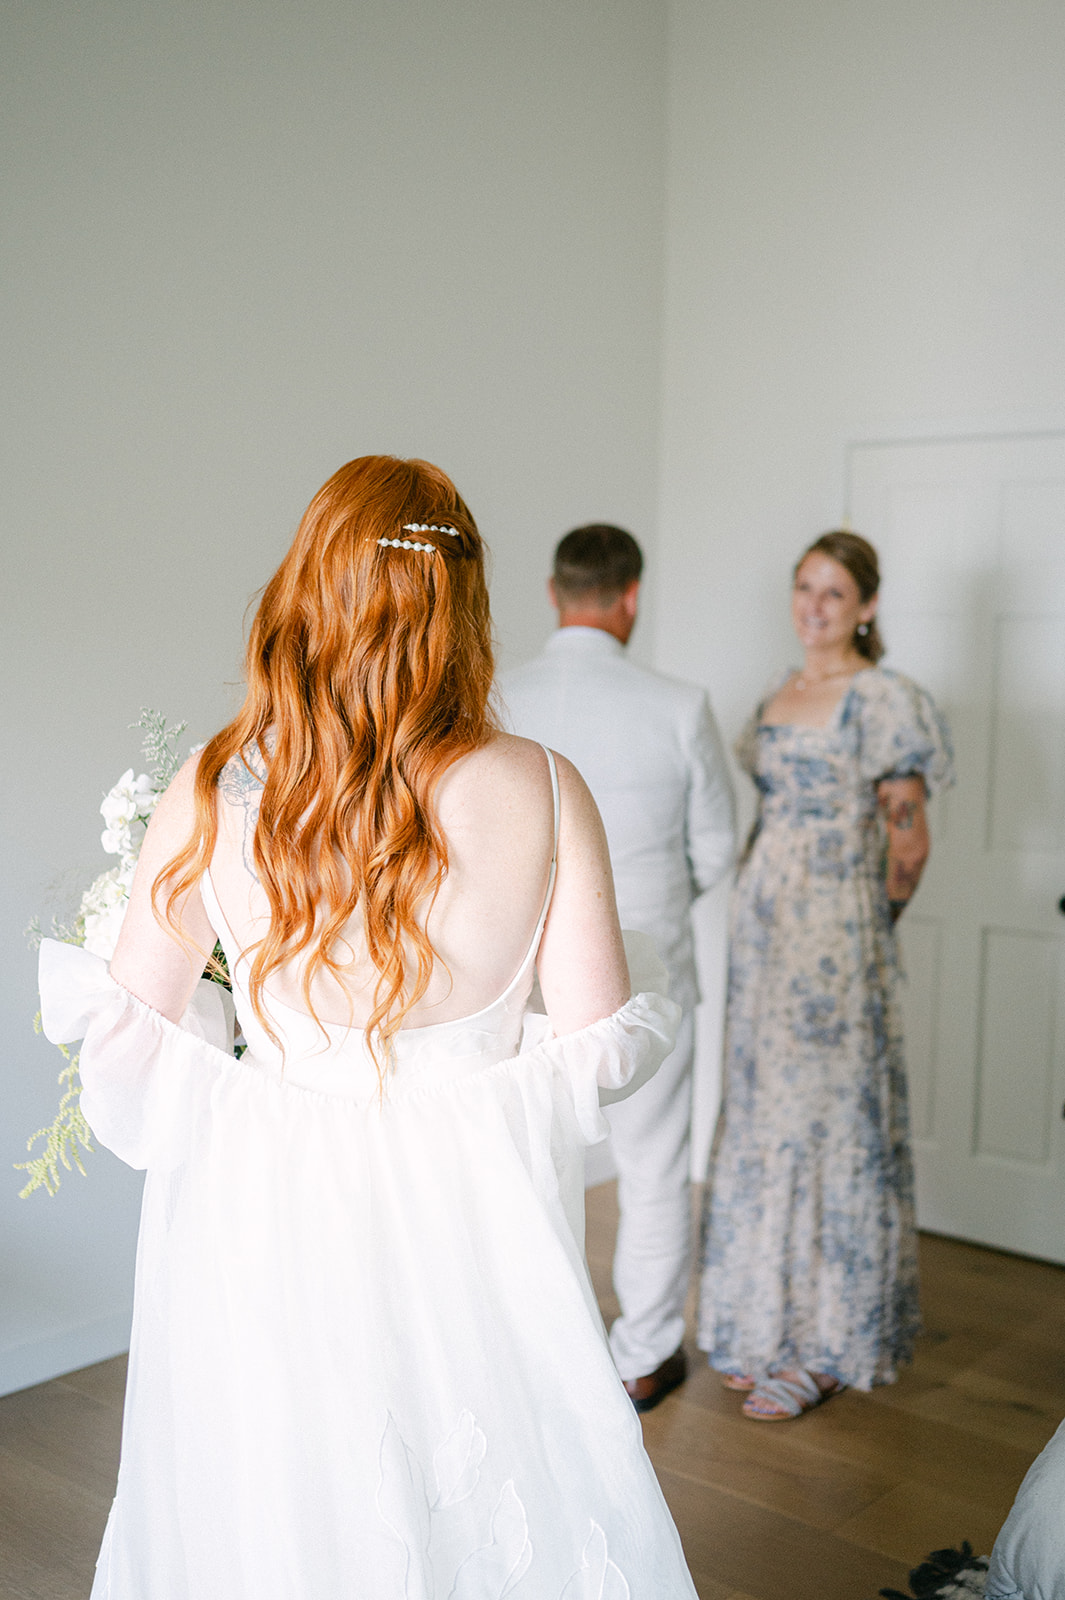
64, 1139
126, 811
160, 746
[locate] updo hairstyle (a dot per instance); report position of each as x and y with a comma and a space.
858, 557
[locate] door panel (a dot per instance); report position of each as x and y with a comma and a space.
920, 991
1027, 810
971, 535
1017, 1024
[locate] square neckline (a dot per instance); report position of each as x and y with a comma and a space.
811, 727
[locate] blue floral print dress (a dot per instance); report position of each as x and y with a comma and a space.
808, 1244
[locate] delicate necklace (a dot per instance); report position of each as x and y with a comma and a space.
803, 682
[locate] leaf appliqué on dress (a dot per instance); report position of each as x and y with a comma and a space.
597, 1578
457, 1462
404, 1508
495, 1569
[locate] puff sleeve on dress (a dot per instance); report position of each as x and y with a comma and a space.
903, 734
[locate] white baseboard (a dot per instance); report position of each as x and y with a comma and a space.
27, 1364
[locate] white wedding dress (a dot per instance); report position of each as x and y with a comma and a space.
366, 1363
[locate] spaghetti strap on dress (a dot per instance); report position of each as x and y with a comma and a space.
366, 1358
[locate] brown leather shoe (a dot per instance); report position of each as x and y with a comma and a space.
645, 1393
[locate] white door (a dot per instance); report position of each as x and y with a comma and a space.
971, 535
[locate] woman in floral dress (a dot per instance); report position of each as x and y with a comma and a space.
809, 1262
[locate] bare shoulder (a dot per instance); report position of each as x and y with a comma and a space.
506, 752
509, 772
176, 811
499, 773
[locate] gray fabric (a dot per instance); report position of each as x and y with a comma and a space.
1028, 1561
650, 1135
648, 748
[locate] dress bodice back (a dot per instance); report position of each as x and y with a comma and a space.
336, 1059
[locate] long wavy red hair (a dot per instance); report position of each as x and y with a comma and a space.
369, 671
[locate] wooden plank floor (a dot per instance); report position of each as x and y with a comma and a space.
831, 1507
844, 1501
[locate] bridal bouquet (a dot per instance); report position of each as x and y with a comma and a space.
126, 811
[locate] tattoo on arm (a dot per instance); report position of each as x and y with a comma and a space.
901, 814
240, 783
903, 880
906, 841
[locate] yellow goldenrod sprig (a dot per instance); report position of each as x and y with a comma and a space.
63, 1137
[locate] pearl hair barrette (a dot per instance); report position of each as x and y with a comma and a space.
419, 527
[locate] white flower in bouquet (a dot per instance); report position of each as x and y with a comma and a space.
103, 906
126, 810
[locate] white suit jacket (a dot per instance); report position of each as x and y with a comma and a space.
648, 748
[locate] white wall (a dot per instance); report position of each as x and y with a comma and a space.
253, 240
866, 237
248, 242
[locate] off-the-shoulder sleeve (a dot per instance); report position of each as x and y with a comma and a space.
610, 1059
903, 733
148, 1084
145, 1080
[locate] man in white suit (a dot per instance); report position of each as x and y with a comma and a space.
649, 750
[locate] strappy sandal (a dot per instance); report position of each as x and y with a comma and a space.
742, 1382
788, 1397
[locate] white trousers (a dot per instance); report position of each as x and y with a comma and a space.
650, 1135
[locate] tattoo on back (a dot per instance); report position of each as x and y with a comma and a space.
240, 783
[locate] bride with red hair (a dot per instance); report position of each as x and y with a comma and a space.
366, 1358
